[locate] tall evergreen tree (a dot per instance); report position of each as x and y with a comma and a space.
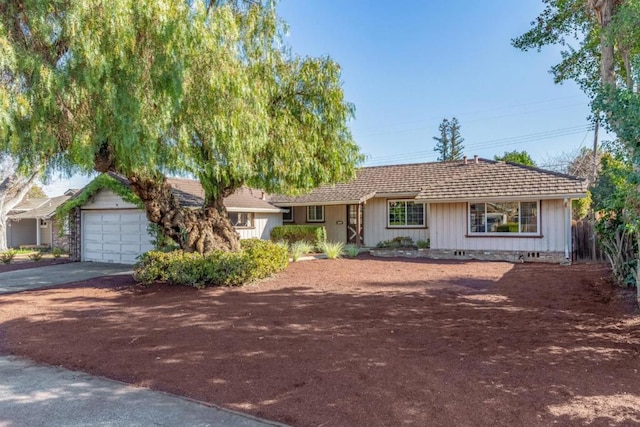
449, 143
455, 140
443, 146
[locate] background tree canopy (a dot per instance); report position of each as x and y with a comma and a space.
147, 88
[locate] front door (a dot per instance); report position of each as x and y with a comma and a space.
354, 224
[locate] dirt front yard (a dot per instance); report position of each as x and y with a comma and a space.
358, 342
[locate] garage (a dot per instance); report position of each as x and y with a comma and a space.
114, 235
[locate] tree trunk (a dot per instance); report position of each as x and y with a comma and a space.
604, 9
13, 188
3, 233
195, 230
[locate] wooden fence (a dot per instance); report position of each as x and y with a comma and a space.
585, 242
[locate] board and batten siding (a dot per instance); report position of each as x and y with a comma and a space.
21, 232
335, 221
263, 223
448, 226
106, 199
375, 225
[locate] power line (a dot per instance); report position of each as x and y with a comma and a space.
500, 142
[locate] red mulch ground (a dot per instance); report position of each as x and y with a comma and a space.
359, 342
23, 264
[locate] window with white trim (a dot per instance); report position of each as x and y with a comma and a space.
315, 213
405, 213
241, 219
504, 217
288, 215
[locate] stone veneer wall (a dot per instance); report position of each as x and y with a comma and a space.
549, 257
59, 241
74, 235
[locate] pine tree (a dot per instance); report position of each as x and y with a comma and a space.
443, 145
455, 141
449, 143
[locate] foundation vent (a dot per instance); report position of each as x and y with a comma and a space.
533, 254
458, 253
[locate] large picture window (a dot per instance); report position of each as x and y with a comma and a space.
315, 213
241, 219
405, 213
504, 217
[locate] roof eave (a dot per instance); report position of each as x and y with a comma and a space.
504, 198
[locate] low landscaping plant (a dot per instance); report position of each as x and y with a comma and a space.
7, 256
257, 259
36, 256
397, 242
332, 250
300, 249
423, 244
314, 234
57, 252
351, 251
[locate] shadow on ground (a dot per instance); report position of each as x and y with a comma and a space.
359, 342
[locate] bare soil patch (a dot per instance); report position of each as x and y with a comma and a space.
358, 342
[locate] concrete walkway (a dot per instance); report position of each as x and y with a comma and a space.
33, 395
42, 277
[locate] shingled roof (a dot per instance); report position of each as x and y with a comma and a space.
37, 208
445, 181
191, 194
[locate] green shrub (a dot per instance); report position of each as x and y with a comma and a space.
57, 252
423, 244
7, 256
300, 249
351, 251
397, 242
267, 257
36, 256
332, 250
257, 259
314, 234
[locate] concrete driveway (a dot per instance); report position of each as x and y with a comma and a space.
33, 395
43, 277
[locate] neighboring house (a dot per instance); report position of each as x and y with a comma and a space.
31, 223
470, 208
110, 229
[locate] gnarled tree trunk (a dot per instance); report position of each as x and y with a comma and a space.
195, 230
13, 188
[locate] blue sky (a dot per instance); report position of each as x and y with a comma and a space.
407, 65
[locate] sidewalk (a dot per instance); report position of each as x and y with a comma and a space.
36, 395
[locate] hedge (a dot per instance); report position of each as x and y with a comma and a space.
314, 234
256, 260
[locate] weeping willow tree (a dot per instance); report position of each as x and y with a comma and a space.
149, 88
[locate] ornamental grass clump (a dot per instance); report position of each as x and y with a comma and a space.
36, 256
332, 250
7, 256
299, 249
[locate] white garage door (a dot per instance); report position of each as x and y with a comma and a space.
114, 235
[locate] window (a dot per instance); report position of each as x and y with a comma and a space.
504, 217
315, 213
405, 213
288, 216
241, 219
